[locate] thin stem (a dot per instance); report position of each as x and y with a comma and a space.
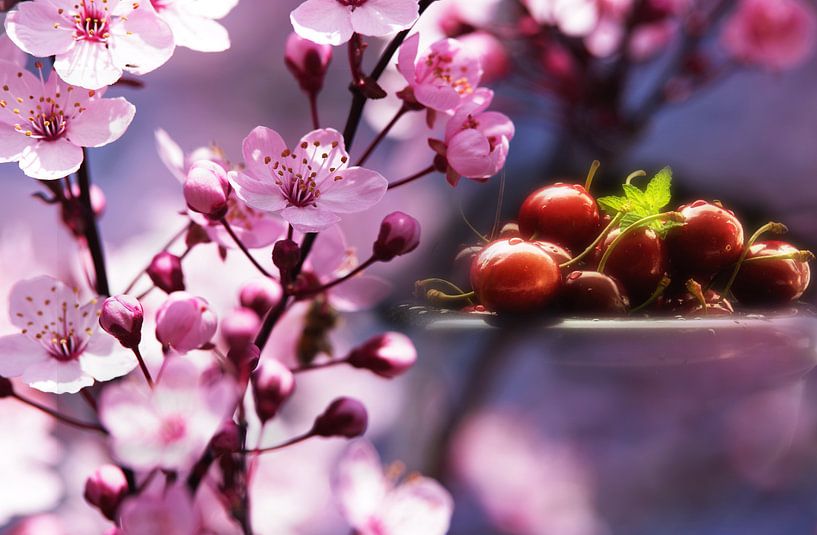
382, 135
799, 256
91, 230
243, 248
659, 291
675, 216
591, 174
425, 282
437, 295
498, 213
777, 228
313, 110
479, 234
331, 284
286, 444
166, 246
327, 364
68, 420
143, 366
635, 174
596, 242
412, 178
696, 290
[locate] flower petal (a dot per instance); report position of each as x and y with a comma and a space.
259, 195
50, 160
360, 293
357, 190
359, 484
325, 22
441, 98
32, 28
103, 121
170, 153
260, 144
382, 17
469, 153
88, 64
495, 124
407, 57
195, 32
18, 352
12, 143
325, 153
52, 375
104, 367
141, 42
212, 9
420, 506
309, 218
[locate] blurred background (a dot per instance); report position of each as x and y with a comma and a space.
527, 446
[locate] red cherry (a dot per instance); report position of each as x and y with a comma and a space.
771, 282
638, 262
560, 254
710, 240
591, 292
565, 214
515, 276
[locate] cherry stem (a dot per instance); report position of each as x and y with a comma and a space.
772, 226
332, 284
672, 216
696, 290
283, 445
663, 284
591, 174
327, 364
143, 366
635, 174
166, 246
592, 247
243, 248
92, 237
438, 295
68, 420
799, 256
421, 284
382, 135
412, 178
473, 229
313, 110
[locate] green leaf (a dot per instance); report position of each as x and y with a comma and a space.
613, 205
657, 191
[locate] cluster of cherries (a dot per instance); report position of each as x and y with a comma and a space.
565, 255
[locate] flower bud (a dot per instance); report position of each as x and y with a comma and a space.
121, 317
272, 384
245, 360
399, 234
165, 271
227, 439
285, 255
105, 489
307, 61
344, 417
239, 327
388, 355
207, 189
260, 295
6, 388
185, 322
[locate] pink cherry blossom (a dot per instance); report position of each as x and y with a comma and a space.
170, 425
443, 76
332, 22
47, 139
309, 185
167, 511
193, 22
254, 228
492, 53
373, 505
9, 52
775, 34
476, 141
185, 322
576, 18
59, 348
93, 41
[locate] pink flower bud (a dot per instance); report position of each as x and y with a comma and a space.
260, 295
307, 61
344, 417
165, 271
399, 234
285, 255
272, 384
245, 359
6, 388
105, 489
239, 327
227, 439
388, 355
121, 317
207, 189
185, 322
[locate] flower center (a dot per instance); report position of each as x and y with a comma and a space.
91, 23
64, 348
299, 185
47, 126
352, 3
441, 67
172, 429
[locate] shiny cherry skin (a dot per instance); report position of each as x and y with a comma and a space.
710, 240
771, 282
593, 293
686, 304
515, 276
638, 262
559, 254
565, 214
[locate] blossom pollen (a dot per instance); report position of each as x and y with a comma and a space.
91, 23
